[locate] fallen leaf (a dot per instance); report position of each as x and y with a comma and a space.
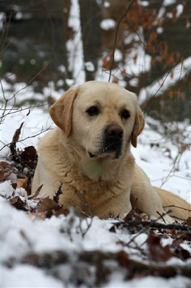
50, 208
6, 170
15, 140
28, 157
188, 221
35, 195
18, 203
17, 134
134, 214
22, 183
123, 258
156, 251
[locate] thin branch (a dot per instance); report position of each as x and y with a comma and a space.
155, 225
97, 259
26, 138
116, 36
6, 31
164, 80
32, 79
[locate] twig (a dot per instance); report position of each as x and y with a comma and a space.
26, 138
155, 225
6, 31
98, 259
161, 216
86, 209
58, 193
164, 80
144, 227
116, 36
15, 140
89, 224
32, 79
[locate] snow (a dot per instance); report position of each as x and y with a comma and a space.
143, 3
106, 4
168, 2
149, 282
6, 189
137, 61
74, 46
167, 80
118, 55
89, 66
108, 24
2, 16
179, 10
35, 123
159, 30
161, 13
27, 276
177, 181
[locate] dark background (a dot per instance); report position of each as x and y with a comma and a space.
34, 34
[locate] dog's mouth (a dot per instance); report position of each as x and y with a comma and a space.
111, 144
111, 151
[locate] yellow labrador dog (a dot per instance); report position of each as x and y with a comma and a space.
89, 152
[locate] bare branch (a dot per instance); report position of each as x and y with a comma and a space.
116, 36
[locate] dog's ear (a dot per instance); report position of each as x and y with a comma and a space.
61, 111
138, 126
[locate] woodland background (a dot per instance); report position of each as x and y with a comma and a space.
39, 43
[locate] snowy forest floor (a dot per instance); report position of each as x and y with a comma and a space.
43, 245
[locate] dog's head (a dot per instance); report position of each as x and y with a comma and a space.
103, 118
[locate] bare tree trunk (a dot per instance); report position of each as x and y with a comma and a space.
90, 17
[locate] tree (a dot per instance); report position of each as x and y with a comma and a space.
90, 17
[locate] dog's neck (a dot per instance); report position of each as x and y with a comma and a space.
93, 169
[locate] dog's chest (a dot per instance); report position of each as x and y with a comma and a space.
92, 188
82, 186
81, 191
87, 195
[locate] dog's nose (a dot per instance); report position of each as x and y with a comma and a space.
114, 131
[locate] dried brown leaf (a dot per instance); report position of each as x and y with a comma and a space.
5, 171
188, 221
36, 194
17, 134
50, 208
58, 193
22, 183
156, 251
123, 258
29, 157
134, 214
18, 203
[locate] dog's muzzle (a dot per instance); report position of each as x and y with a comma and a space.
112, 142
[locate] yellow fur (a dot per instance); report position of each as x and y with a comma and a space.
103, 185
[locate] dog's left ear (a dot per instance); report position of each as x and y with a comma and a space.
61, 111
138, 126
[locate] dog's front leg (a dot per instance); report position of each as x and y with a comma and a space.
145, 198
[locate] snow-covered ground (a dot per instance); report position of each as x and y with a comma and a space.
21, 235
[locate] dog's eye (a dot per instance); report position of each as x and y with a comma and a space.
92, 111
125, 114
